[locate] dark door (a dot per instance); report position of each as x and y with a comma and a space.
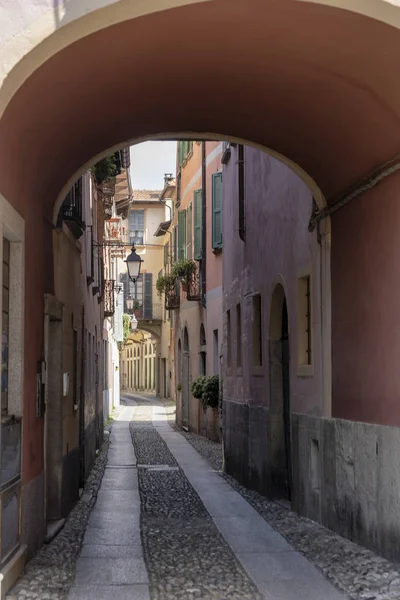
286, 397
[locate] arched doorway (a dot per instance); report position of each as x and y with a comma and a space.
185, 379
279, 369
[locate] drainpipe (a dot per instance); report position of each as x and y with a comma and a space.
203, 263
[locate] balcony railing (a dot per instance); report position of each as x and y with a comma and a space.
194, 292
136, 237
109, 297
148, 312
172, 299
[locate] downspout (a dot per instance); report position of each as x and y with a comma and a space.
203, 264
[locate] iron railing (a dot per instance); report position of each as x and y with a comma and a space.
148, 312
172, 299
109, 297
194, 292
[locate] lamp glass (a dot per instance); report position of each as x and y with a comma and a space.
133, 263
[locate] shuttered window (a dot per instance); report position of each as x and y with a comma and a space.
198, 210
148, 296
166, 255
189, 221
182, 235
217, 210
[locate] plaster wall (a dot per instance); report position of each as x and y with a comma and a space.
366, 340
277, 248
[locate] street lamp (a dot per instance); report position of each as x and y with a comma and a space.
133, 263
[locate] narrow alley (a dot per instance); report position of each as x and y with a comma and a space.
163, 524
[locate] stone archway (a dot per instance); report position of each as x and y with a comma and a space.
280, 428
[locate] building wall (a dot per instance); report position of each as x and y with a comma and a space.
277, 247
82, 356
364, 274
192, 314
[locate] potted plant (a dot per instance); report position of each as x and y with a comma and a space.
165, 284
184, 270
137, 308
104, 173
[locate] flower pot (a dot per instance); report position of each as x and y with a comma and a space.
185, 287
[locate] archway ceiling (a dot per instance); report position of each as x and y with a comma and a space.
316, 84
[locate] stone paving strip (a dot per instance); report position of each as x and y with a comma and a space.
111, 564
279, 572
49, 575
360, 573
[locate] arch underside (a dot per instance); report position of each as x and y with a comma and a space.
301, 79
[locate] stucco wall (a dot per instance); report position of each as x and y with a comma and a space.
278, 246
365, 300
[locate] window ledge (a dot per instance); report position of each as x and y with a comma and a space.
305, 370
257, 371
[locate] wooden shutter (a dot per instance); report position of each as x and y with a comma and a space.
198, 214
166, 255
182, 235
148, 296
189, 232
217, 210
175, 250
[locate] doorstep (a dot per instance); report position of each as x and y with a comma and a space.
12, 570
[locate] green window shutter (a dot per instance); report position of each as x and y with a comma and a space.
198, 214
175, 250
217, 210
182, 235
189, 222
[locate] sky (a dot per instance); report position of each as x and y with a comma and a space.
149, 162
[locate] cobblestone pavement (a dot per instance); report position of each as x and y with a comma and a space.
186, 556
353, 569
49, 575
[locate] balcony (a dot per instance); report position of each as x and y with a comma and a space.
172, 299
109, 298
194, 289
71, 210
147, 312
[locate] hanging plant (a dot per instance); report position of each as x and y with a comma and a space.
184, 270
105, 170
165, 284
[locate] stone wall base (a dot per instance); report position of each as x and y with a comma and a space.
345, 474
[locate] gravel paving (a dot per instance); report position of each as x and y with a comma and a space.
185, 554
50, 574
360, 573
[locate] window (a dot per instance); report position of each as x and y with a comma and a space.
189, 232
257, 331
228, 337
238, 337
166, 255
304, 333
241, 192
182, 235
198, 217
136, 227
217, 211
184, 149
5, 327
148, 296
